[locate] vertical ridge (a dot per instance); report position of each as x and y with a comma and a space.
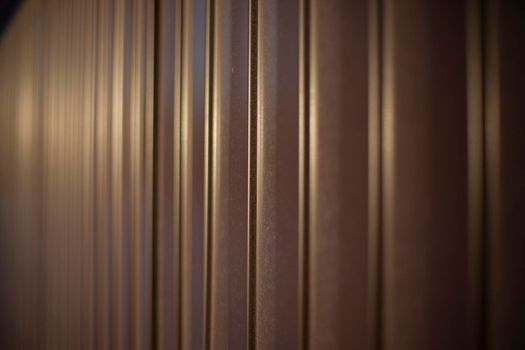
304, 172
387, 158
476, 173
252, 173
180, 178
375, 176
155, 195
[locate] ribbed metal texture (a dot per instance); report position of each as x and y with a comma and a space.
262, 174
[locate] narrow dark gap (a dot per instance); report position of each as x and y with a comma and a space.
485, 278
109, 177
154, 219
209, 205
94, 171
127, 246
252, 228
180, 77
380, 315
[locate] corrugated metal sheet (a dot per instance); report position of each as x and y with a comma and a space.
263, 174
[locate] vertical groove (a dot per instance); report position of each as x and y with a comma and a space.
491, 151
304, 190
180, 170
154, 220
210, 54
375, 176
94, 184
252, 173
483, 244
42, 80
476, 169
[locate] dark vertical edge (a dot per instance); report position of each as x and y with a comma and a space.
208, 192
150, 156
155, 174
155, 278
126, 185
135, 175
304, 173
179, 166
476, 175
210, 81
375, 296
252, 173
155, 189
492, 166
505, 171
155, 194
42, 65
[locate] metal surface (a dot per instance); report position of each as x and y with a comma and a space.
81, 124
425, 179
263, 174
338, 174
228, 227
505, 146
277, 264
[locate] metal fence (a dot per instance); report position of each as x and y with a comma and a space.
270, 174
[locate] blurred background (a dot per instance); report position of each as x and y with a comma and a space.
262, 174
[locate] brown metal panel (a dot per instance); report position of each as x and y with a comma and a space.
425, 175
277, 270
326, 174
338, 174
140, 140
49, 141
64, 169
120, 176
19, 178
103, 215
167, 230
505, 107
229, 176
192, 172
